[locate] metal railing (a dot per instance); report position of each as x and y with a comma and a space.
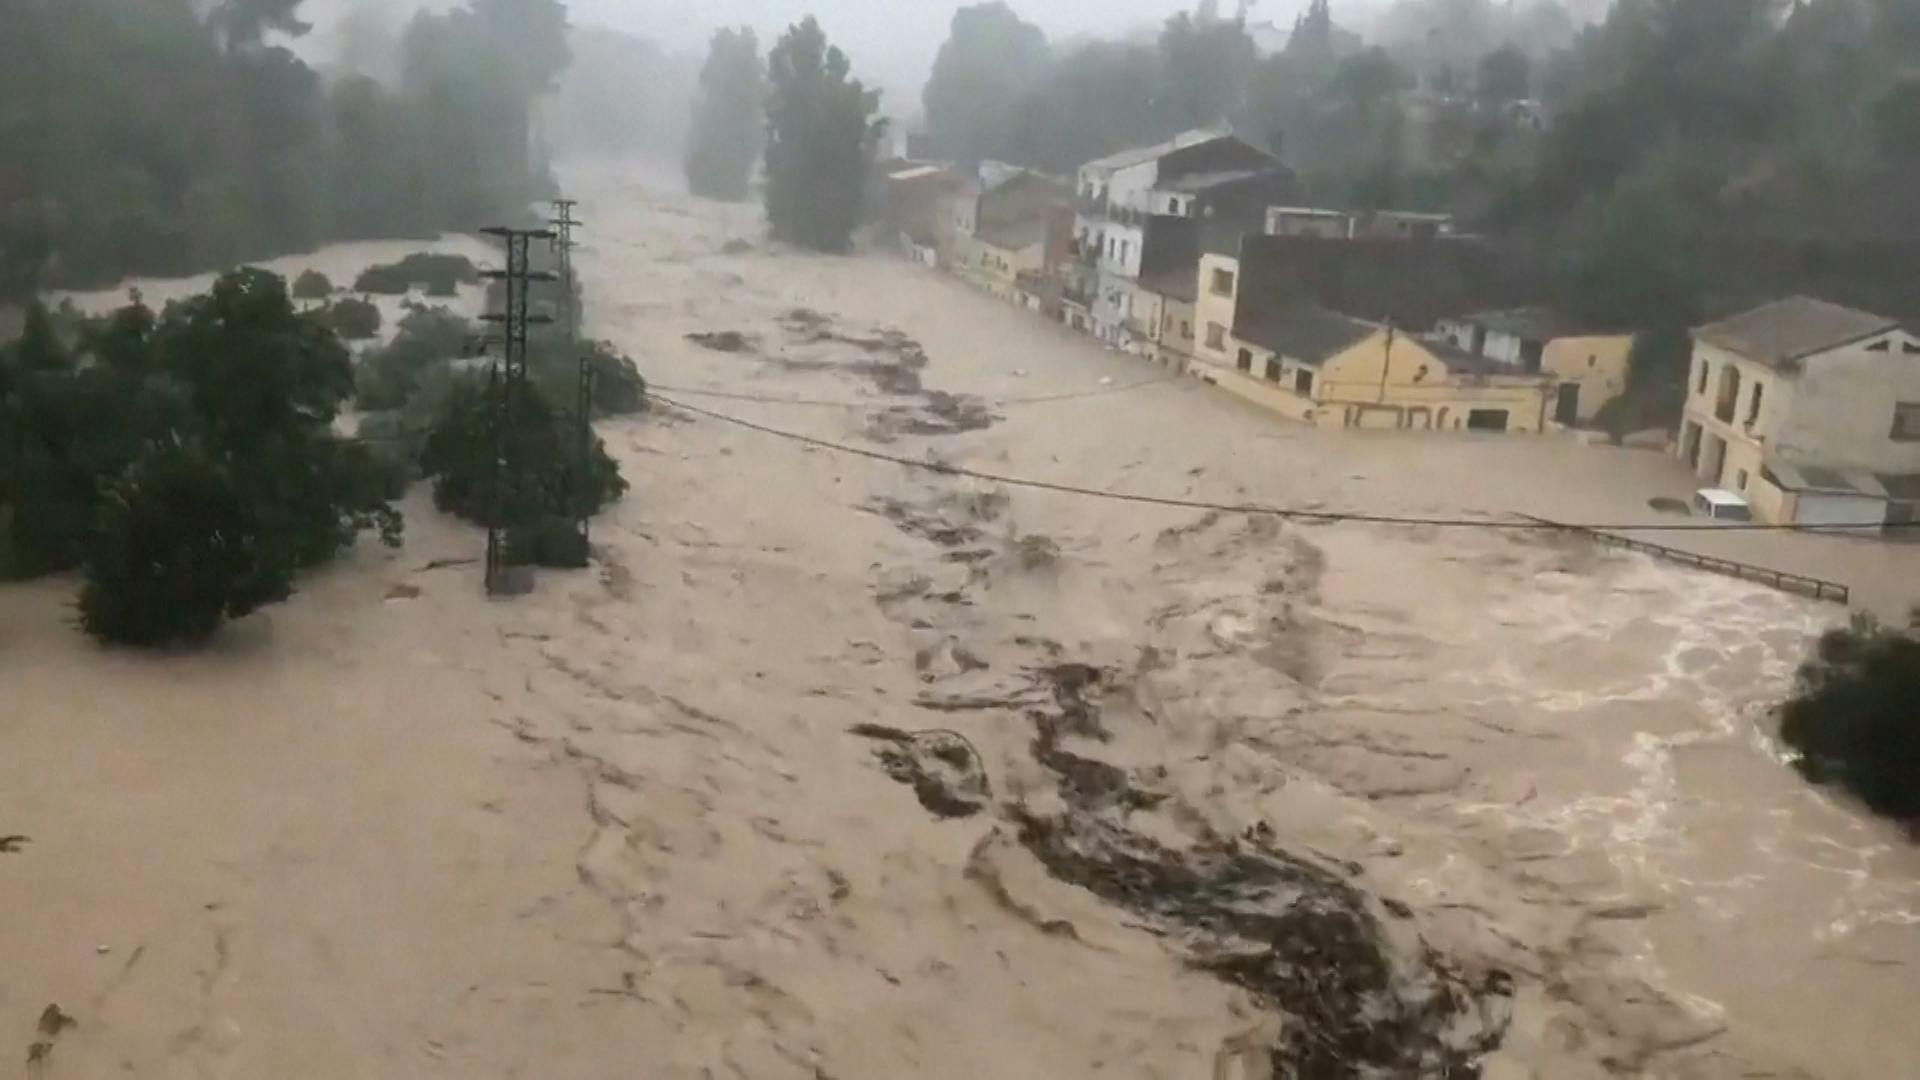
1799, 584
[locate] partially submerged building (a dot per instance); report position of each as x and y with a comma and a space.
1810, 410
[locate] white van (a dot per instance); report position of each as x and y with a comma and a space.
1721, 505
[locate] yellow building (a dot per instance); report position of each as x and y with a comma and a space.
1588, 367
1809, 410
1331, 370
1006, 259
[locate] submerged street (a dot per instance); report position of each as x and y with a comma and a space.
1517, 792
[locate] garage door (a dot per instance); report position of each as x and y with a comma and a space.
1822, 508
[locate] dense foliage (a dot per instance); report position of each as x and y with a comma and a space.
971, 97
352, 318
552, 478
440, 275
168, 136
821, 136
428, 339
729, 118
185, 461
312, 285
1853, 719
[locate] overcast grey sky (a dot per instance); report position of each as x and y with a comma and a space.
893, 42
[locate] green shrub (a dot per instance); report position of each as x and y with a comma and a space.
428, 339
439, 275
352, 318
618, 388
177, 550
550, 541
312, 285
548, 478
1853, 717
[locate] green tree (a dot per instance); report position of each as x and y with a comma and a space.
1852, 717
1506, 75
729, 118
990, 59
1206, 63
551, 478
821, 135
177, 550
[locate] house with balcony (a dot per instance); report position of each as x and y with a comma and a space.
1810, 410
1199, 174
1589, 364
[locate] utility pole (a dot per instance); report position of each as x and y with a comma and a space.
564, 223
507, 384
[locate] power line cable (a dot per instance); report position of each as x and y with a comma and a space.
1295, 514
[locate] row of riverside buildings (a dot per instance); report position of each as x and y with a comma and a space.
1196, 253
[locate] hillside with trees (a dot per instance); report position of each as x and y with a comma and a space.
169, 137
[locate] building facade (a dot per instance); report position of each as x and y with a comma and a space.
1589, 366
1809, 409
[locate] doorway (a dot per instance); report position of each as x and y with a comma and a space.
1566, 408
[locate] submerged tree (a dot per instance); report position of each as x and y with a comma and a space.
821, 136
729, 118
186, 461
551, 481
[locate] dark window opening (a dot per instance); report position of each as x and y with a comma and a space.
1303, 382
1881, 346
1273, 370
1246, 360
1223, 283
1906, 422
1753, 409
1705, 368
1531, 354
1487, 420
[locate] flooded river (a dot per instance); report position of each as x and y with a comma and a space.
834, 768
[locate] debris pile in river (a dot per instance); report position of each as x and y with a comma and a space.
943, 768
1295, 934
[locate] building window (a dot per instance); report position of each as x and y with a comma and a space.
1173, 205
1223, 283
1303, 382
1186, 329
1741, 478
1906, 422
1883, 345
1216, 336
1700, 385
1273, 369
1126, 250
1245, 362
1753, 407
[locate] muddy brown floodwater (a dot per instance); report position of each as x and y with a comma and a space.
833, 769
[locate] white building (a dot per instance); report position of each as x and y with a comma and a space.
1118, 196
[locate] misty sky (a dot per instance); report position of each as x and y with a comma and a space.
893, 41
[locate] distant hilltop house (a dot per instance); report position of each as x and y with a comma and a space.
1809, 410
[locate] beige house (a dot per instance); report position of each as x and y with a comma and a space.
1163, 306
1589, 366
1810, 410
1216, 290
1332, 370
